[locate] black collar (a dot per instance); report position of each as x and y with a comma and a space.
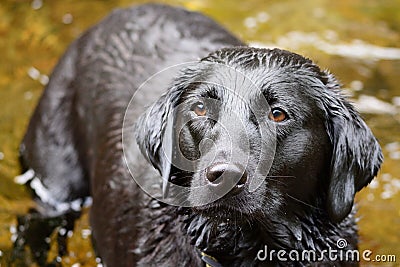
210, 261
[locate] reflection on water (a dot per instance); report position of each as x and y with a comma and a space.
329, 44
356, 40
372, 105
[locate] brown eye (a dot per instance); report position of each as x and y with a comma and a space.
277, 115
199, 109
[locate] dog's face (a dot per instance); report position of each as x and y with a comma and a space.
259, 131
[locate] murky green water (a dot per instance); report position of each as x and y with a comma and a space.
359, 41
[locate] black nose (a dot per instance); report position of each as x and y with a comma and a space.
231, 175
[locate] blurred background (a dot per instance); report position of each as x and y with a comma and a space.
358, 40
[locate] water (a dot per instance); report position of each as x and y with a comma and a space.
359, 41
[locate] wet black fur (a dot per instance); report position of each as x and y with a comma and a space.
325, 153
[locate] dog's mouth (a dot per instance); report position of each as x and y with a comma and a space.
232, 205
222, 205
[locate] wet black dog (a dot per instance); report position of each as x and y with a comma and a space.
266, 127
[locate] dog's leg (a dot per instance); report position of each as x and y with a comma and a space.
52, 155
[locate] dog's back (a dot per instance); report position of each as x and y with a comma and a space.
74, 136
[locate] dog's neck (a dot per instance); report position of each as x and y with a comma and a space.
232, 242
237, 242
228, 241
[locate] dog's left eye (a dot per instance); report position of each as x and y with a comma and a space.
200, 109
277, 115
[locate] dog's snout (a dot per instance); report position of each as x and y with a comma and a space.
230, 175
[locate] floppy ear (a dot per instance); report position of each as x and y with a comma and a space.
156, 134
150, 136
356, 155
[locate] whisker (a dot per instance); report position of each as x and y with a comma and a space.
302, 202
272, 178
280, 176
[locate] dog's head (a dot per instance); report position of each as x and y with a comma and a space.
260, 131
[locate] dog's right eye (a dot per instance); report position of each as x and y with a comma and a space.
200, 109
277, 115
